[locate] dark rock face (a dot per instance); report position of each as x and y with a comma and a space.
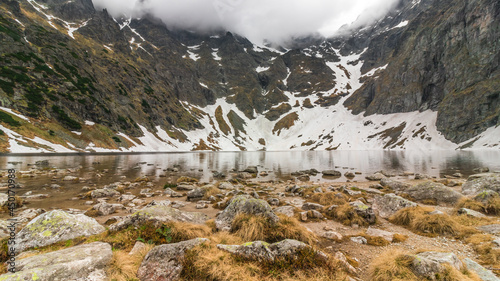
444, 61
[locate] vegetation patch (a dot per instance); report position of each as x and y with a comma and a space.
286, 123
65, 119
421, 221
253, 228
7, 119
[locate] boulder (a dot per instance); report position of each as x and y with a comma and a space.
55, 226
483, 273
243, 204
226, 185
359, 240
312, 206
389, 204
185, 187
285, 210
251, 170
70, 178
491, 228
331, 173
433, 191
273, 201
394, 184
386, 235
104, 192
364, 211
481, 182
430, 264
332, 235
85, 262
375, 177
471, 213
104, 209
485, 196
172, 193
164, 262
263, 251
196, 194
138, 247
156, 215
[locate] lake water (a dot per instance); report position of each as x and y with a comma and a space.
279, 164
99, 170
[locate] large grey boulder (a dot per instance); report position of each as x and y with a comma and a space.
244, 204
158, 214
285, 210
433, 191
389, 204
394, 184
430, 264
480, 182
490, 228
485, 196
263, 251
164, 262
483, 273
85, 262
55, 226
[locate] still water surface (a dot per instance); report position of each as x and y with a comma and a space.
280, 164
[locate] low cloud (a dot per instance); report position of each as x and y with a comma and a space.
274, 20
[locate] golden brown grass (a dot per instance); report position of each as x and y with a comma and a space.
328, 199
347, 215
186, 179
392, 265
420, 221
488, 252
395, 265
491, 207
253, 228
123, 267
211, 191
207, 262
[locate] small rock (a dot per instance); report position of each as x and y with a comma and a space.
359, 240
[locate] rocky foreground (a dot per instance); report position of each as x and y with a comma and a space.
392, 227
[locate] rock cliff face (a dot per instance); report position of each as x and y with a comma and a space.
80, 80
446, 59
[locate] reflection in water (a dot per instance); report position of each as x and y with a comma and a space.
201, 164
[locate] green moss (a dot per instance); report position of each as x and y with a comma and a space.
65, 119
6, 118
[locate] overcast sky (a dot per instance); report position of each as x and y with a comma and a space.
275, 20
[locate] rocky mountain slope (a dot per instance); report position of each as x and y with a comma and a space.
77, 79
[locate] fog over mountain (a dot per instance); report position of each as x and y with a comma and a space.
257, 20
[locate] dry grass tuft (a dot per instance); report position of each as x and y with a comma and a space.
393, 265
491, 207
123, 267
211, 191
399, 238
253, 228
186, 179
488, 252
420, 221
346, 214
207, 262
329, 198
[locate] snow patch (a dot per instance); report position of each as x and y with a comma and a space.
10, 111
89, 123
262, 69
